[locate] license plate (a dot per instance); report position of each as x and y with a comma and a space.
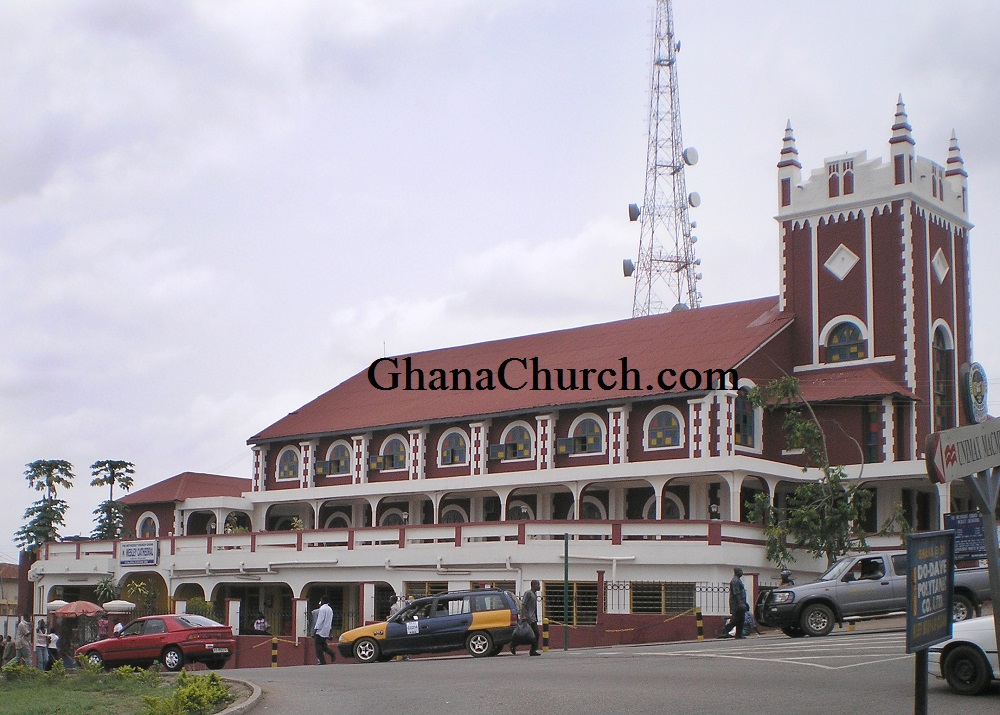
220, 650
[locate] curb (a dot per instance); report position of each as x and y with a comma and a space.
246, 705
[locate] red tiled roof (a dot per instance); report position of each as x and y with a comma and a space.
720, 336
8, 571
188, 485
849, 383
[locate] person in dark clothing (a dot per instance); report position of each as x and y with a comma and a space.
529, 614
738, 605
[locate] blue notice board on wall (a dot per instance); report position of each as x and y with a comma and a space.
970, 539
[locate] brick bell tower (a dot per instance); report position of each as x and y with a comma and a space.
874, 263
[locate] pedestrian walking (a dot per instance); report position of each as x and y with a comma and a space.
738, 606
22, 641
53, 649
529, 614
9, 651
322, 623
41, 646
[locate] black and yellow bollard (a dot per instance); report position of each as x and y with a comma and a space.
701, 625
545, 635
274, 652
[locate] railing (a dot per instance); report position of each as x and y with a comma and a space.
614, 533
665, 597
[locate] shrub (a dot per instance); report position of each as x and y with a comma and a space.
195, 695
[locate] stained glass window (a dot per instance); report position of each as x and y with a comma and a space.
588, 437
745, 424
517, 443
454, 449
340, 460
944, 391
664, 431
288, 465
846, 343
394, 454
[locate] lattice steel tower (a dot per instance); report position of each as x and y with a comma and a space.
666, 260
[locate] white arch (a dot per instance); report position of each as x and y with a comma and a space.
342, 516
277, 463
949, 339
824, 334
454, 509
523, 505
682, 442
594, 501
142, 517
440, 446
669, 496
403, 516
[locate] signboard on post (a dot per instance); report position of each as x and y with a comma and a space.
930, 580
962, 451
139, 553
970, 539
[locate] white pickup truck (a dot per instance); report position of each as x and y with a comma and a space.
862, 585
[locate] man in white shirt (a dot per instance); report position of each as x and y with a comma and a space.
322, 623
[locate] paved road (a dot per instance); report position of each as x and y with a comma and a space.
861, 672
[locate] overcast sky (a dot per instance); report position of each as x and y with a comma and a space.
211, 212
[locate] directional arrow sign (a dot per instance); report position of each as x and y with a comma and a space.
963, 451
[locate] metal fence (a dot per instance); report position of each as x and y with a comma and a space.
666, 597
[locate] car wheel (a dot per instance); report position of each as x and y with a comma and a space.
792, 631
173, 659
95, 658
215, 663
366, 650
817, 620
967, 671
962, 608
479, 644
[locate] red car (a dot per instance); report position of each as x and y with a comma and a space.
171, 639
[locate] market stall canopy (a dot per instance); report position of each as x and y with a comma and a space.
119, 606
79, 608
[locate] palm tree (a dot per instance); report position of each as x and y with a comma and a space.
45, 516
111, 514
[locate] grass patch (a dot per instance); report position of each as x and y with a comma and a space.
92, 691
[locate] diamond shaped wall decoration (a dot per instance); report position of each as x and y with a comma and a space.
940, 264
841, 261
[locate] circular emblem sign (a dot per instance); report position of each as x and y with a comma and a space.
974, 388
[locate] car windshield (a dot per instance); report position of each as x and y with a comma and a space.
837, 570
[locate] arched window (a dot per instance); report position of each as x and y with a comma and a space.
845, 343
744, 422
149, 527
672, 507
519, 510
288, 463
588, 436
454, 514
393, 517
337, 520
392, 456
454, 449
663, 429
516, 443
591, 509
338, 459
944, 385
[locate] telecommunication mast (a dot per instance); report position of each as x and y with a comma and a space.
666, 272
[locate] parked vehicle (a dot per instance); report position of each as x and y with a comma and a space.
170, 639
861, 585
968, 661
480, 621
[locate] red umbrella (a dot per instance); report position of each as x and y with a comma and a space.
78, 608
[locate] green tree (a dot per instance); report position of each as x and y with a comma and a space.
111, 514
44, 517
821, 517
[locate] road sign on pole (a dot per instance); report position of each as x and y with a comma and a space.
962, 451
